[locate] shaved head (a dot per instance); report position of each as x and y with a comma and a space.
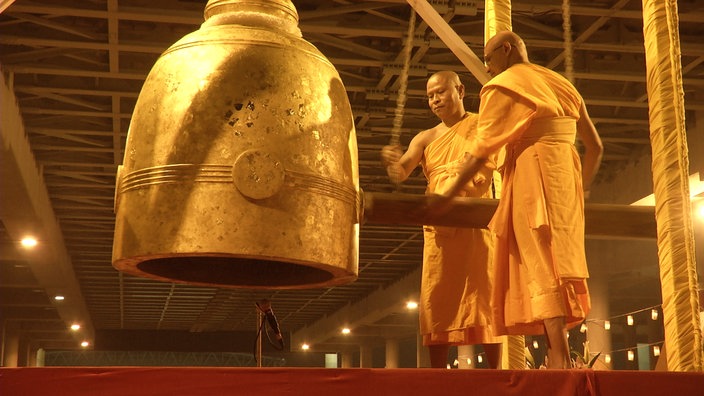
509, 37
504, 50
447, 75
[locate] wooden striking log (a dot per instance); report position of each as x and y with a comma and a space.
602, 220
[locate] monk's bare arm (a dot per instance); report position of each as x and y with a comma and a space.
469, 168
482, 180
399, 166
438, 204
593, 148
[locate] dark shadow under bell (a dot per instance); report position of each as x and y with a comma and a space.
229, 271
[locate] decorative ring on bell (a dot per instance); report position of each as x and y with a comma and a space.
225, 174
172, 174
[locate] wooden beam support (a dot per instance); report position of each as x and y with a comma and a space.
453, 41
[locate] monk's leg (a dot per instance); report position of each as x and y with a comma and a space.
438, 355
558, 347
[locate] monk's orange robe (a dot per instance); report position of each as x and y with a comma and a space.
456, 284
540, 264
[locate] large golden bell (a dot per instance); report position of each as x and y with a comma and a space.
240, 168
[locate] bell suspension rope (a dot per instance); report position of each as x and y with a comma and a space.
567, 40
403, 80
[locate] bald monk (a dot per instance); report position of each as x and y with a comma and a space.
455, 284
540, 279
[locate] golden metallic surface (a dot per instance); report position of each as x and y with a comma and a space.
240, 168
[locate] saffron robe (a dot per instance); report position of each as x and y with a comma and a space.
456, 283
540, 263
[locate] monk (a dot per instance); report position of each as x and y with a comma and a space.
455, 281
540, 278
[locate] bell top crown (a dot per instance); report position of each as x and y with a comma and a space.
269, 14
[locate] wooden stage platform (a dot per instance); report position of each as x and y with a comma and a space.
216, 381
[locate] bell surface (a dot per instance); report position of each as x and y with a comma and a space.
240, 167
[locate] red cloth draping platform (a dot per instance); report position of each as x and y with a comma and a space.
197, 381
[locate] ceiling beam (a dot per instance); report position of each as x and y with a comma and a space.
26, 208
